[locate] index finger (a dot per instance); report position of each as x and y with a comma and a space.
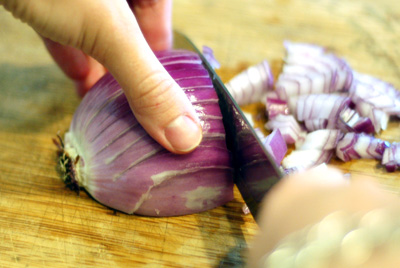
154, 19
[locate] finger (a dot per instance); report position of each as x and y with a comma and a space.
157, 101
154, 19
82, 69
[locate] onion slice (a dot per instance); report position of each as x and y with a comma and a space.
360, 145
309, 69
391, 157
320, 106
299, 160
252, 84
351, 121
323, 139
288, 127
276, 146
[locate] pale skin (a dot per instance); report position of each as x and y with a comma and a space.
306, 198
86, 38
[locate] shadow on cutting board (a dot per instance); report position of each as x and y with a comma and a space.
34, 97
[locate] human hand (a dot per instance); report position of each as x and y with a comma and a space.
84, 36
304, 199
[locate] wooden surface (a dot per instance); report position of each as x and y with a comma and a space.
43, 224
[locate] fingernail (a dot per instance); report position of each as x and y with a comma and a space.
183, 134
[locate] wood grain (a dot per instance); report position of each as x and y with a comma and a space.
44, 224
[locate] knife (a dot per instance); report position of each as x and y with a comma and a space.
255, 171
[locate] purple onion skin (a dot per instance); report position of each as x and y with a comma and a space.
122, 167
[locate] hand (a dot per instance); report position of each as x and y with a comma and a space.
115, 37
306, 198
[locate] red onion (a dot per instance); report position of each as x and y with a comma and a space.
309, 69
120, 165
305, 159
323, 139
378, 117
316, 124
252, 84
359, 145
375, 99
391, 157
208, 53
275, 145
276, 106
288, 127
351, 121
321, 106
318, 92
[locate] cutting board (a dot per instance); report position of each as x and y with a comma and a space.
44, 224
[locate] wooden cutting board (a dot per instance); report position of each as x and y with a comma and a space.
43, 224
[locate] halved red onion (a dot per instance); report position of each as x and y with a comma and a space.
391, 157
252, 84
360, 145
122, 167
323, 139
288, 127
275, 145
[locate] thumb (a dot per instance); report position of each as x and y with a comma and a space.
157, 101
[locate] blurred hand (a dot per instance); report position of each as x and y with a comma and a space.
84, 36
306, 198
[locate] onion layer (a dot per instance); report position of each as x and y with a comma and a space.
122, 167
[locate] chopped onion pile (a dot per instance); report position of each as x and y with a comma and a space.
107, 152
325, 108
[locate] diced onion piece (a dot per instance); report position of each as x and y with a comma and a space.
288, 126
316, 124
252, 84
391, 157
351, 121
275, 145
367, 86
276, 106
379, 118
321, 106
324, 139
309, 70
304, 159
359, 145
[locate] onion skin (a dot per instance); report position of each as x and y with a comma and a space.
122, 167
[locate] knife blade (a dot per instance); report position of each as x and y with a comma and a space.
255, 171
